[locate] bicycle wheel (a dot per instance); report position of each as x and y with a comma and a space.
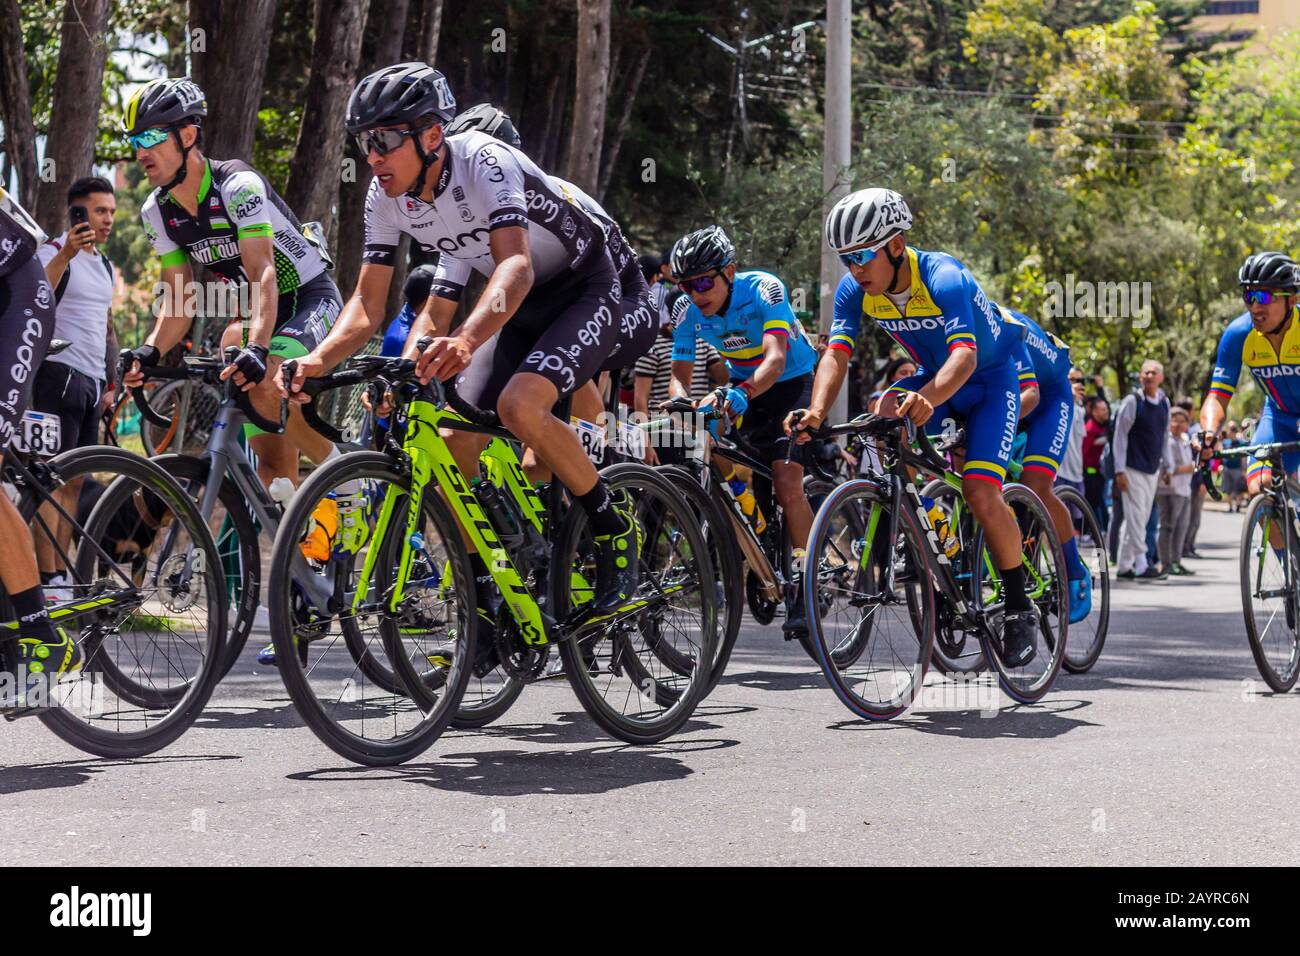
616, 669
153, 651
347, 519
817, 490
1088, 637
1269, 599
1046, 587
724, 553
881, 636
956, 649
200, 412
238, 544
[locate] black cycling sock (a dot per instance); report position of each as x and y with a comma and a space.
47, 577
33, 619
600, 511
1013, 586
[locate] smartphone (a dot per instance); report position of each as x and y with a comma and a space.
77, 215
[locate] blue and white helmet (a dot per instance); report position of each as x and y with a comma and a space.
867, 219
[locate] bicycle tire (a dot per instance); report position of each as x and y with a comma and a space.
567, 554
1080, 657
184, 711
1278, 681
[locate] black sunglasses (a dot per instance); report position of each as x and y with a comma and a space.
384, 141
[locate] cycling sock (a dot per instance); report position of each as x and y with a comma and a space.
1013, 586
600, 511
33, 619
1074, 566
48, 576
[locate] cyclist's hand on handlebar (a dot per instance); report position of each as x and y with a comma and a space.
916, 407
145, 355
377, 399
800, 424
248, 367
444, 358
309, 366
1207, 444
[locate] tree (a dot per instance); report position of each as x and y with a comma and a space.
318, 156
74, 116
230, 40
587, 128
15, 102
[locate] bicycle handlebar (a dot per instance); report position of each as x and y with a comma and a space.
202, 368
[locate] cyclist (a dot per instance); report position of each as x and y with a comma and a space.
931, 305
1046, 413
554, 312
223, 214
1266, 339
747, 317
27, 318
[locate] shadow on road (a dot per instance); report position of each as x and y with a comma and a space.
72, 773
510, 772
1046, 719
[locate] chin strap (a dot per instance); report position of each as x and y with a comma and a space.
185, 161
730, 289
426, 163
897, 263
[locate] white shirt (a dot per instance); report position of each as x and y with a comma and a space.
1072, 464
81, 316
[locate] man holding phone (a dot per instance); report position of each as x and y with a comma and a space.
71, 383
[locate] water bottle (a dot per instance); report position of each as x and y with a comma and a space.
281, 490
498, 512
745, 495
947, 540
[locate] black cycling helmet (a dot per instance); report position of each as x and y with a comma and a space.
1270, 270
416, 288
649, 265
166, 102
169, 104
701, 251
405, 93
486, 118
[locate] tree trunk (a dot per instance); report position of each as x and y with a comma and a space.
624, 120
386, 23
318, 154
229, 58
16, 103
430, 30
587, 129
74, 115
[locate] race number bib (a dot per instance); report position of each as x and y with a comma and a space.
41, 434
592, 438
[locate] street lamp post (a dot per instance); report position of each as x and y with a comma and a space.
835, 158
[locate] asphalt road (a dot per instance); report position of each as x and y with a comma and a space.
1171, 751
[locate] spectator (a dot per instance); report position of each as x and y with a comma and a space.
1174, 492
1141, 427
1096, 436
1234, 475
1198, 487
71, 383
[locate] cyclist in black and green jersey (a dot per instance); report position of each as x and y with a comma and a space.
225, 216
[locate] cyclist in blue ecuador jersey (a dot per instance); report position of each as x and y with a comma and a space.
747, 317
934, 309
1046, 412
1265, 339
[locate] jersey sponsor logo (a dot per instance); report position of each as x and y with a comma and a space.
214, 203
458, 243
505, 196
1275, 371
210, 251
458, 194
32, 333
290, 242
735, 341
911, 325
150, 232
982, 303
770, 291
445, 100
245, 209
465, 214
536, 201
7, 249
44, 295
1009, 429
568, 226
487, 158
1044, 348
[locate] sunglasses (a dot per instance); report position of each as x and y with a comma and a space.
384, 141
1261, 296
150, 137
859, 258
698, 284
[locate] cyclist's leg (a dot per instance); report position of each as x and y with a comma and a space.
27, 317
761, 426
1048, 429
1273, 427
61, 390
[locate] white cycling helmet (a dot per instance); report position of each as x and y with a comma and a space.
868, 219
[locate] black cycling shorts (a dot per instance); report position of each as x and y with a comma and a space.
763, 424
26, 327
74, 396
304, 317
567, 331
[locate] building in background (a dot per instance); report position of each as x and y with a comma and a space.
1249, 21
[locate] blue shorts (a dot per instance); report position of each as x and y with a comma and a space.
989, 403
1047, 428
1274, 426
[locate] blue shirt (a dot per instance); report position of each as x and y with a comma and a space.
947, 311
1041, 358
758, 307
1278, 374
396, 334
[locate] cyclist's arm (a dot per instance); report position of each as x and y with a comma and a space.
679, 382
769, 371
433, 321
641, 394
718, 370
361, 316
510, 282
173, 319
1223, 383
834, 363
1029, 393
257, 251
1029, 397
952, 375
